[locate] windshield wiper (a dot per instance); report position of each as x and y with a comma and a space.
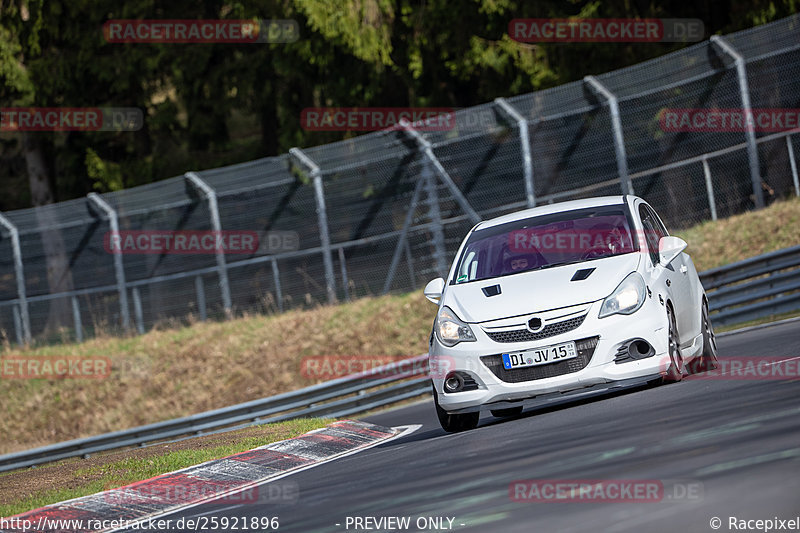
561, 263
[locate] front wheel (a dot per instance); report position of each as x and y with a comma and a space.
453, 423
708, 359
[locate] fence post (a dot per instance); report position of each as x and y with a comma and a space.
201, 297
76, 317
793, 164
524, 139
322, 218
19, 273
17, 324
137, 310
744, 91
222, 267
343, 267
446, 179
712, 203
119, 272
616, 126
435, 216
398, 250
277, 279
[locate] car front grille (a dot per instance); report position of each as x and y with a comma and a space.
524, 335
585, 349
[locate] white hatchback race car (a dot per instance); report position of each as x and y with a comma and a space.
575, 295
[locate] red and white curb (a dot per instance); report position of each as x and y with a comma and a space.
230, 480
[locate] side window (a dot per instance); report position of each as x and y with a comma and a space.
651, 235
468, 268
662, 230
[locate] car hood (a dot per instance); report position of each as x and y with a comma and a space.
539, 290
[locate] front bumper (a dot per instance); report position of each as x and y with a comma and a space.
498, 388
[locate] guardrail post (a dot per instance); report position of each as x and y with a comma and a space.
427, 149
76, 317
222, 267
793, 165
744, 91
19, 273
322, 218
119, 271
524, 139
710, 189
616, 126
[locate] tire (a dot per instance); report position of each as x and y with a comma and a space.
454, 423
505, 413
708, 359
675, 371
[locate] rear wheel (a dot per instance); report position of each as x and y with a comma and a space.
708, 359
453, 423
675, 371
505, 413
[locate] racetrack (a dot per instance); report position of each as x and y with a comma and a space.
734, 443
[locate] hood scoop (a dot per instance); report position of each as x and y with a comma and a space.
491, 290
582, 274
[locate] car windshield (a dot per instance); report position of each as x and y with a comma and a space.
545, 241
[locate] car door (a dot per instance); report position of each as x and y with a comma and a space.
674, 275
685, 289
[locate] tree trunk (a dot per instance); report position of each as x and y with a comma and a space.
59, 277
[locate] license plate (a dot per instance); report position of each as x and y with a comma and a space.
540, 356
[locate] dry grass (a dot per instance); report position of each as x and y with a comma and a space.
167, 374
714, 244
177, 372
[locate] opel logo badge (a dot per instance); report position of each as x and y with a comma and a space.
535, 324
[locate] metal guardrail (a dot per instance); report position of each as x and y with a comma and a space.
754, 288
341, 397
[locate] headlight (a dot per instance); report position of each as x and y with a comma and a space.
451, 329
627, 298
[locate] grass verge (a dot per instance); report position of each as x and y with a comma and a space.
24, 490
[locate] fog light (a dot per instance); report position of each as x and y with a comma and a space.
640, 349
453, 382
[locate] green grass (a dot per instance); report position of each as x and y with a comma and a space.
81, 481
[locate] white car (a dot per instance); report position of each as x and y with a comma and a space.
574, 295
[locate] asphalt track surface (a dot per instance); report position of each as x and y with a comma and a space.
720, 448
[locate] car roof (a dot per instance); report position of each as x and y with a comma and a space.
553, 208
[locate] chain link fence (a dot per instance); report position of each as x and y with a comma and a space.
386, 211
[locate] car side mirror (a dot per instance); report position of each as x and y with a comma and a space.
434, 289
669, 248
